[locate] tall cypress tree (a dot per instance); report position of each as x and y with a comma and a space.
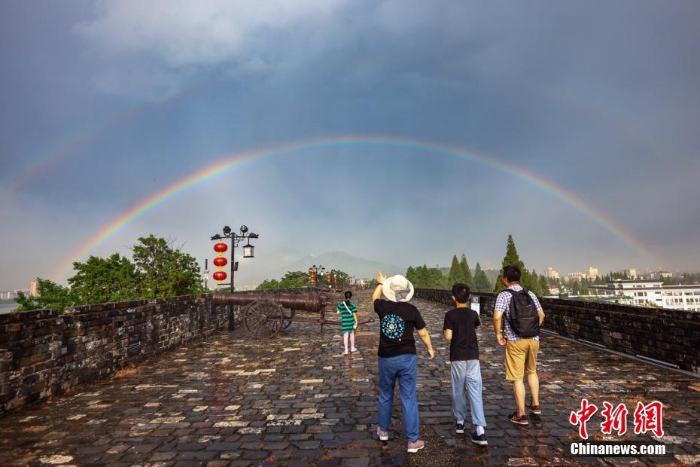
535, 283
512, 259
467, 273
455, 275
481, 280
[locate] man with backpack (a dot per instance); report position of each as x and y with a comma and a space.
519, 333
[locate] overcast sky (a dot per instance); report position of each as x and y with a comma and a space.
401, 131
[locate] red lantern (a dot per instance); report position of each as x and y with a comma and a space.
220, 261
220, 247
219, 276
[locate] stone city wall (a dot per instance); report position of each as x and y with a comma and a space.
669, 336
45, 352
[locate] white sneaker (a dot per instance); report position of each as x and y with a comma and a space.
415, 446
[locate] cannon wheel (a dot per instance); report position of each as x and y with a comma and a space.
263, 319
288, 319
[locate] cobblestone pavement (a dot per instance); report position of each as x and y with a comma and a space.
295, 400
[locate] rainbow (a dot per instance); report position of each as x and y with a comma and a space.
68, 149
238, 159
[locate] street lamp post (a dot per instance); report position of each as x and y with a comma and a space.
313, 273
220, 247
248, 249
334, 279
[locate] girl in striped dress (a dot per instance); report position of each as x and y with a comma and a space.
348, 322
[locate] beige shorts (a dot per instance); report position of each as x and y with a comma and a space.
521, 358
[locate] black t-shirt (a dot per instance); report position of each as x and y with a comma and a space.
397, 320
462, 322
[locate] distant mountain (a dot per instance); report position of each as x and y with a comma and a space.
352, 265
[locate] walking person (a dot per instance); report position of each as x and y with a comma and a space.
521, 347
348, 321
460, 330
397, 355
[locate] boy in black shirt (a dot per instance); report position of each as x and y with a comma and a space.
460, 329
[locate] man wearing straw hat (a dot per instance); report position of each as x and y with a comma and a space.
397, 355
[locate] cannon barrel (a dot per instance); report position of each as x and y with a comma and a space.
307, 300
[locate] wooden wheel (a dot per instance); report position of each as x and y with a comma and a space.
288, 319
263, 319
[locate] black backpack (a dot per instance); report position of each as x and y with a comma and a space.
524, 318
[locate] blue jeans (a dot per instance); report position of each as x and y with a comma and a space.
466, 375
403, 368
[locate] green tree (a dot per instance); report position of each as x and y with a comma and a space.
436, 279
50, 296
535, 283
576, 288
412, 275
466, 272
481, 280
100, 280
456, 273
269, 284
544, 285
157, 271
166, 271
424, 277
295, 280
342, 279
513, 259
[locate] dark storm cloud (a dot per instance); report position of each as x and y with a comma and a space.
120, 99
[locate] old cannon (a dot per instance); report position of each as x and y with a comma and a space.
266, 313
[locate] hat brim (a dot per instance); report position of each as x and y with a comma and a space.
389, 294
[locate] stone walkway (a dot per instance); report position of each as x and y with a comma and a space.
295, 400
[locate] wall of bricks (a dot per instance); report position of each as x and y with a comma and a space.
669, 336
44, 353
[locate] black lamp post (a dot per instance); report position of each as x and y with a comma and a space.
248, 249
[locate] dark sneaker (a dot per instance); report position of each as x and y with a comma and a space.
517, 419
415, 446
535, 409
480, 440
459, 428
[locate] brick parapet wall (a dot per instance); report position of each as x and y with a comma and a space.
670, 336
44, 353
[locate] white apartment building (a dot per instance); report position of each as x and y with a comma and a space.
551, 273
650, 292
574, 276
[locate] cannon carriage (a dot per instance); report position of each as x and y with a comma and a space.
266, 313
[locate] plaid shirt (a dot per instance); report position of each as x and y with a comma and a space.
503, 305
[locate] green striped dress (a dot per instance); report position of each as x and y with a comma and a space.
347, 320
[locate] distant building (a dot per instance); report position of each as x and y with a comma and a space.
593, 272
551, 273
660, 274
650, 293
631, 273
33, 289
575, 276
